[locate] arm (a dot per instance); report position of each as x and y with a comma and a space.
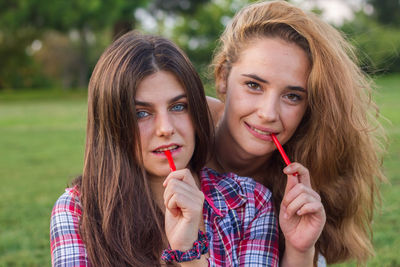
302, 218
66, 244
259, 246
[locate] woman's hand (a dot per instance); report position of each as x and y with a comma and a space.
302, 215
184, 209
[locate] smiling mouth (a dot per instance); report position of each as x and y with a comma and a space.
259, 131
170, 148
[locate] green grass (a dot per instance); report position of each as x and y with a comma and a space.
41, 150
386, 225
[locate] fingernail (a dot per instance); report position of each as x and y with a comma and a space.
298, 212
285, 215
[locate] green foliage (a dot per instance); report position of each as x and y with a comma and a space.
386, 11
17, 68
198, 33
378, 46
64, 15
73, 34
179, 6
23, 21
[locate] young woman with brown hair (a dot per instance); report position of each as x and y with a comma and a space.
283, 71
127, 208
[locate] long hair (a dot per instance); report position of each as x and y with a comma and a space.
339, 139
121, 225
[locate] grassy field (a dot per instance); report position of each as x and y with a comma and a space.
41, 150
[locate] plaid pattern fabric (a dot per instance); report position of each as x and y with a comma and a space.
240, 222
200, 247
67, 248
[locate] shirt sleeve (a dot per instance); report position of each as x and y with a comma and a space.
67, 248
259, 245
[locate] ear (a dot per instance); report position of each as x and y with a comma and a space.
221, 84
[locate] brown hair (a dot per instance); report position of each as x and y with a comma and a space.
121, 225
339, 139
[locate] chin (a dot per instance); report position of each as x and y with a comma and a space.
258, 151
159, 173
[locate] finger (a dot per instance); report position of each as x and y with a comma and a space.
299, 202
303, 173
296, 191
184, 175
291, 182
176, 186
282, 211
173, 175
185, 204
172, 206
315, 208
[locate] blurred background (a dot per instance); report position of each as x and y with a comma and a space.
48, 50
46, 44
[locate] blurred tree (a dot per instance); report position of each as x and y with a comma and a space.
386, 11
179, 6
84, 18
198, 32
378, 46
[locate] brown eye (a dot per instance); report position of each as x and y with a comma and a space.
253, 86
294, 97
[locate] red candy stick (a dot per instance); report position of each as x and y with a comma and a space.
170, 160
280, 148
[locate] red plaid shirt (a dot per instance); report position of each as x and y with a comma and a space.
239, 217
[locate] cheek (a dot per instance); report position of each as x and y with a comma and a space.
189, 131
292, 116
237, 101
145, 134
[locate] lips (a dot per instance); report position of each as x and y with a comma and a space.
261, 133
165, 148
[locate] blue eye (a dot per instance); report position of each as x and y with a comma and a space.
141, 114
179, 107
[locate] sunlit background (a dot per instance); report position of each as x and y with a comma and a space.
56, 43
48, 50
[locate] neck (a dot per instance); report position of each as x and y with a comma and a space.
230, 157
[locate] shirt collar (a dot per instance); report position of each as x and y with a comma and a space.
222, 191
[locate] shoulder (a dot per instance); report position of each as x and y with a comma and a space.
67, 247
66, 211
216, 107
68, 202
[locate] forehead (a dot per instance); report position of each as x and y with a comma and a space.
159, 85
274, 56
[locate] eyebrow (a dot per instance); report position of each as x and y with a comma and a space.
258, 78
172, 100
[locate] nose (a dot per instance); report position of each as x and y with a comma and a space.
268, 108
164, 125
